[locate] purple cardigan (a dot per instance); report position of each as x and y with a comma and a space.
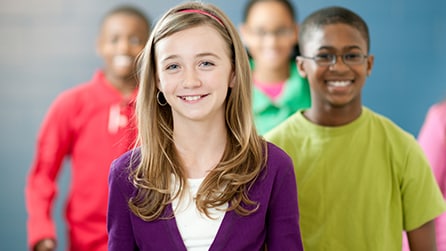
276, 222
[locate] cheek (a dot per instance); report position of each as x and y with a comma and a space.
310, 70
253, 45
289, 44
316, 77
105, 50
166, 83
162, 86
136, 49
160, 82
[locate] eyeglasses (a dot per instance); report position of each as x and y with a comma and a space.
328, 59
278, 33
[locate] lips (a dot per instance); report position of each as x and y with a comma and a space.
192, 97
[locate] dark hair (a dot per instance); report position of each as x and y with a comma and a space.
288, 5
333, 15
128, 10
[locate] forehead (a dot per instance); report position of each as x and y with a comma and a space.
192, 41
337, 37
124, 23
269, 13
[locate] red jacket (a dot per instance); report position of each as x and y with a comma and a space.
92, 124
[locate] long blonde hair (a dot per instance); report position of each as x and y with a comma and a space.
245, 151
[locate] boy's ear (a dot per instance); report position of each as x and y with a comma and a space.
370, 61
301, 66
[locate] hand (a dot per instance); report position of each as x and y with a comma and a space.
45, 245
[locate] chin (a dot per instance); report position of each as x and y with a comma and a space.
124, 73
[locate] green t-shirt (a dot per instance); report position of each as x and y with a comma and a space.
295, 96
359, 185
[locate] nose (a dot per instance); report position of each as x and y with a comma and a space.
338, 63
124, 46
270, 38
191, 79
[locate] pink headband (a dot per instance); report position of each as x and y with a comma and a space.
203, 13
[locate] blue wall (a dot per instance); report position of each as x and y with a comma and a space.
48, 46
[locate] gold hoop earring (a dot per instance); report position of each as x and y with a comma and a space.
160, 99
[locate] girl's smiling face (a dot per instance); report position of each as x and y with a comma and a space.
339, 84
194, 73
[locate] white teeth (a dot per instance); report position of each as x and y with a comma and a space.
339, 83
122, 61
191, 98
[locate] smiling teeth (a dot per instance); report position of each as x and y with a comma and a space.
122, 61
339, 83
192, 98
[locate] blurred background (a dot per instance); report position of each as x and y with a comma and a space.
47, 46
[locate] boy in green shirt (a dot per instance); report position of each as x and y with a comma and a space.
362, 180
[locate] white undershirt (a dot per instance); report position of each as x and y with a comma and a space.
197, 230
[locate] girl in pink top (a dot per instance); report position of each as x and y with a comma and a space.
432, 139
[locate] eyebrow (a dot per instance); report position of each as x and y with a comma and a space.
199, 55
343, 48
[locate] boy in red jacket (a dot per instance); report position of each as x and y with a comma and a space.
92, 124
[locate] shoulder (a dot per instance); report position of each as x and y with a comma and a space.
66, 104
278, 160
288, 130
276, 153
386, 125
278, 171
438, 110
399, 141
124, 164
72, 95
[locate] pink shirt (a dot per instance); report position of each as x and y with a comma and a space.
432, 139
272, 90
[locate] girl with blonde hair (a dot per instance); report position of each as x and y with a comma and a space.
201, 178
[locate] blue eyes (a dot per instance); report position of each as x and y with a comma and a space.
172, 67
206, 64
203, 64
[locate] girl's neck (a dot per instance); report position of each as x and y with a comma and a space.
200, 148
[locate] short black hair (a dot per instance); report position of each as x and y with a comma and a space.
288, 5
128, 10
333, 15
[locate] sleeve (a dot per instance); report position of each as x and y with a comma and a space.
432, 138
283, 231
119, 225
53, 144
421, 196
